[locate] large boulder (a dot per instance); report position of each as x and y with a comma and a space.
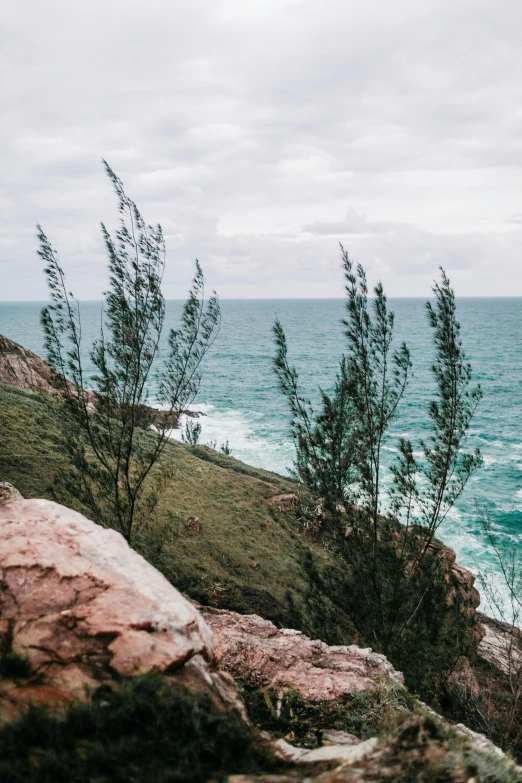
84, 609
255, 651
501, 646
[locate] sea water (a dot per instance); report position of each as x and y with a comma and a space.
242, 404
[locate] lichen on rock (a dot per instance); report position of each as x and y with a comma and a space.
84, 609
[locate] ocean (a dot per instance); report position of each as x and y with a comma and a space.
243, 405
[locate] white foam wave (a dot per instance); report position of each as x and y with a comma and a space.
251, 440
245, 442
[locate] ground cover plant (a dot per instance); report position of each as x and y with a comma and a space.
364, 714
146, 730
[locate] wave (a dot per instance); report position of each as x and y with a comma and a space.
244, 433
255, 439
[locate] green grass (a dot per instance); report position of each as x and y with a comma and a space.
246, 556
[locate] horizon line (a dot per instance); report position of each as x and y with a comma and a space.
276, 299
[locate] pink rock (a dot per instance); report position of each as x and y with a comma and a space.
84, 608
282, 502
255, 651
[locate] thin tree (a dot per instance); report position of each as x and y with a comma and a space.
113, 438
385, 539
324, 440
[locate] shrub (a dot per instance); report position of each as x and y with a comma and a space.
147, 731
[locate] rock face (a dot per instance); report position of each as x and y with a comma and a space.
462, 581
24, 369
346, 753
282, 502
501, 646
255, 651
8, 492
85, 609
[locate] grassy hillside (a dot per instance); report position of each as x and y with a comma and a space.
246, 555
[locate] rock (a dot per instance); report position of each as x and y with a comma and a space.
479, 741
501, 645
193, 524
255, 651
8, 492
465, 581
282, 502
24, 369
336, 737
21, 368
346, 753
84, 609
463, 679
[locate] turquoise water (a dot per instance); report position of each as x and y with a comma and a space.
243, 405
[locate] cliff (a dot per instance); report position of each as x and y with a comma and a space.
248, 554
23, 369
133, 682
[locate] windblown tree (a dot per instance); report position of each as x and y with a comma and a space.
386, 539
112, 436
324, 441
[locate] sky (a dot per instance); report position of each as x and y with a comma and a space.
260, 134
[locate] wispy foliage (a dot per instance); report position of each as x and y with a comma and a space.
386, 539
324, 441
103, 425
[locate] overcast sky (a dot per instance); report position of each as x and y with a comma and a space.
260, 133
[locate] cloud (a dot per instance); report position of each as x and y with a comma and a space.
248, 129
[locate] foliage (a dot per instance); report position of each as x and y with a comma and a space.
225, 448
364, 714
325, 441
192, 432
425, 492
420, 749
147, 730
102, 432
398, 586
238, 530
500, 708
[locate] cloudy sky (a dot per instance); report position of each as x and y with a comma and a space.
260, 133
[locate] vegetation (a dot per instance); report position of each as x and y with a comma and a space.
115, 474
397, 596
147, 730
191, 433
420, 750
496, 709
247, 556
365, 714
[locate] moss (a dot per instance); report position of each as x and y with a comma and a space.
145, 731
365, 714
420, 750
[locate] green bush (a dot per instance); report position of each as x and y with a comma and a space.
147, 731
364, 714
